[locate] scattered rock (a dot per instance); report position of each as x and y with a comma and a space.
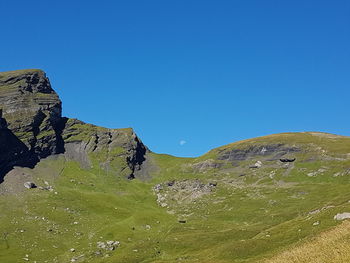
158, 187
108, 245
313, 212
72, 250
101, 244
342, 216
316, 223
315, 173
182, 191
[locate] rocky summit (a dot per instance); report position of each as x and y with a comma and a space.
75, 192
33, 127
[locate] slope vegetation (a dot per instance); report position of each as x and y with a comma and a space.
104, 197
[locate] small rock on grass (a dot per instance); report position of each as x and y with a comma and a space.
342, 216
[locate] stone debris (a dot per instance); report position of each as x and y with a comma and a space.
182, 191
108, 245
313, 212
315, 173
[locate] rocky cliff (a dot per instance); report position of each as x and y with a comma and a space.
32, 127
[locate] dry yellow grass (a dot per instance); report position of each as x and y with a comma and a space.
332, 246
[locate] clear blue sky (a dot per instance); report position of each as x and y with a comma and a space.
202, 72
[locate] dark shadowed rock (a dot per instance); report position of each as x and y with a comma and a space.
287, 160
12, 151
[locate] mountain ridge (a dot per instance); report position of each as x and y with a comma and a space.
68, 193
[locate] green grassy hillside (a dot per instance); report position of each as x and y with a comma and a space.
237, 203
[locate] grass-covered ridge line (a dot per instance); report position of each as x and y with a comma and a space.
232, 213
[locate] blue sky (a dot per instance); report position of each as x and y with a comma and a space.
189, 75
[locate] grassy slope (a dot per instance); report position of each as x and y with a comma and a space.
330, 246
244, 219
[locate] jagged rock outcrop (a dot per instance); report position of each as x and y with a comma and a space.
31, 128
32, 110
115, 149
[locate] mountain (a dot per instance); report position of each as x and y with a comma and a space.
32, 121
75, 192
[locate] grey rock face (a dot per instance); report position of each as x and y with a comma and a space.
273, 151
82, 139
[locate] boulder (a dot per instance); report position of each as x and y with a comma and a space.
29, 185
342, 216
258, 164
